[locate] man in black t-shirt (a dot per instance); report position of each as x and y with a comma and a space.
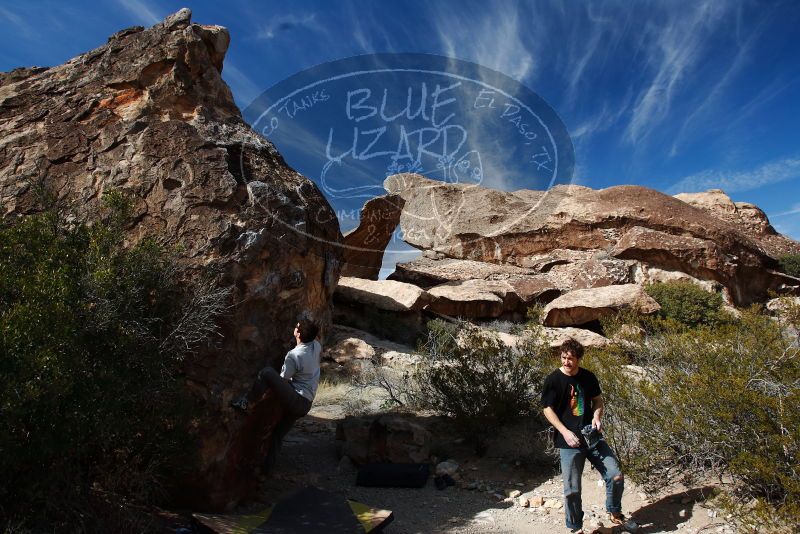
572, 400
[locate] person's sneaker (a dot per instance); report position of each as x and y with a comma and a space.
625, 524
240, 404
617, 518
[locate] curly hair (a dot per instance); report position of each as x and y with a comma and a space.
570, 345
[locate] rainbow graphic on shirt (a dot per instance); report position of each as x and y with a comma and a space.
576, 400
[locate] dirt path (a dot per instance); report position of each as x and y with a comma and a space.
309, 458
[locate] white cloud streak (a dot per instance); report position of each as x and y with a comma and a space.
794, 210
717, 91
504, 40
146, 13
18, 22
244, 89
730, 182
673, 49
603, 120
494, 41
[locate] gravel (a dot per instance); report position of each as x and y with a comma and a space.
477, 504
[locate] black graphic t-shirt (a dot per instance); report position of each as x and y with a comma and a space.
571, 398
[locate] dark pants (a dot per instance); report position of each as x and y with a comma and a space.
294, 407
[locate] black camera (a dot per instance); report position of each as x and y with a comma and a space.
591, 435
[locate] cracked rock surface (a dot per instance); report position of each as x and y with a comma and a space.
148, 114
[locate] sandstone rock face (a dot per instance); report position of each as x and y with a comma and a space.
382, 294
149, 114
474, 289
600, 273
634, 223
471, 298
489, 298
749, 218
427, 272
586, 305
554, 337
350, 348
386, 308
645, 274
364, 246
386, 438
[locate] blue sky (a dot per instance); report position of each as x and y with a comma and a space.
678, 96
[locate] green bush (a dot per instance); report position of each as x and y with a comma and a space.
790, 263
711, 403
471, 376
91, 335
687, 303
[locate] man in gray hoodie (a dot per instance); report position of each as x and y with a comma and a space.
294, 388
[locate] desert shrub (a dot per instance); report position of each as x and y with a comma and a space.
91, 337
471, 376
535, 314
790, 263
687, 303
395, 387
788, 312
711, 402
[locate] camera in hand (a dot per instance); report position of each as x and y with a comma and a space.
591, 435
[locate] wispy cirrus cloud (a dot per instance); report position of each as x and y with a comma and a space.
280, 24
18, 22
730, 182
244, 89
673, 49
607, 117
496, 40
794, 210
503, 40
142, 10
718, 90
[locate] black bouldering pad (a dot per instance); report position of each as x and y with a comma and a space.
308, 511
393, 475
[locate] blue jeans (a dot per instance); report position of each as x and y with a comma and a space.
603, 459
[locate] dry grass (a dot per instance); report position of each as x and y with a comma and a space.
332, 390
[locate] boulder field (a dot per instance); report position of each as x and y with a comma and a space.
486, 253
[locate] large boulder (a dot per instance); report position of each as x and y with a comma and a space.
386, 295
386, 308
350, 349
586, 305
646, 274
429, 270
598, 272
749, 218
554, 337
490, 298
472, 298
149, 114
474, 223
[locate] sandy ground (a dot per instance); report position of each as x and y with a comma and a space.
309, 458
